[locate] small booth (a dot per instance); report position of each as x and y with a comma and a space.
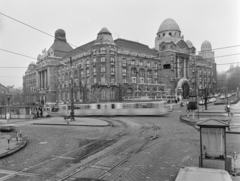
213, 144
17, 112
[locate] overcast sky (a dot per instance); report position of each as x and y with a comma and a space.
217, 21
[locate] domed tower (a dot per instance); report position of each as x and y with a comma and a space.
104, 37
206, 50
32, 66
60, 35
167, 32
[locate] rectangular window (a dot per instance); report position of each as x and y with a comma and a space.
94, 71
132, 62
167, 66
95, 80
87, 72
87, 63
94, 60
148, 64
124, 72
102, 79
102, 69
133, 79
112, 61
141, 80
112, 80
124, 62
124, 79
141, 63
103, 59
112, 70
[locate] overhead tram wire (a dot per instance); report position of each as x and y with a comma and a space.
82, 48
36, 29
102, 62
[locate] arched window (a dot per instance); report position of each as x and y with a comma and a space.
142, 73
112, 94
75, 74
149, 73
134, 72
66, 76
103, 94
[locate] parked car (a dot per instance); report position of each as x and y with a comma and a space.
222, 97
201, 102
212, 100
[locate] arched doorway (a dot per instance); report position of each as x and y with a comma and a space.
185, 88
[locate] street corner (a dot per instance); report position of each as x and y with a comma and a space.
78, 121
189, 120
10, 146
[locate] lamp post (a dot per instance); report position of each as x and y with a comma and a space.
9, 96
71, 90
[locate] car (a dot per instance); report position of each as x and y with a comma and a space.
7, 127
212, 100
222, 97
201, 102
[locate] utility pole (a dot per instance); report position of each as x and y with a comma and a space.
72, 101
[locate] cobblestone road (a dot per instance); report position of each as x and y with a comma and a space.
178, 146
46, 142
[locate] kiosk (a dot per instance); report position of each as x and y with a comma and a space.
213, 144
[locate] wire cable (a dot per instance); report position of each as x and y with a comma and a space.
35, 28
86, 50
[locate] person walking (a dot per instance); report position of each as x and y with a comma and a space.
188, 109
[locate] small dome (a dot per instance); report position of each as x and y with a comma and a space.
60, 35
104, 31
32, 63
206, 45
189, 43
104, 37
169, 24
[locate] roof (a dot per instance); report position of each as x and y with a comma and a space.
132, 45
199, 174
80, 49
213, 123
60, 48
168, 24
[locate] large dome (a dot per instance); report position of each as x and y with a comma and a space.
169, 24
206, 45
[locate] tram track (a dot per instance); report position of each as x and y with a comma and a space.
137, 145
73, 156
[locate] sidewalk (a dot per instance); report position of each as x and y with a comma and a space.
14, 145
79, 121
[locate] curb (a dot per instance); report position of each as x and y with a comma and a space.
71, 125
10, 152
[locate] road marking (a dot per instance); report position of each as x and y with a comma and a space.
70, 158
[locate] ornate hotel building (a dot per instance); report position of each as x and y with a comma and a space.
106, 70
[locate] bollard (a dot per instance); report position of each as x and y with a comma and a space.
8, 140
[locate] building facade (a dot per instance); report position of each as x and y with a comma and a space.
105, 70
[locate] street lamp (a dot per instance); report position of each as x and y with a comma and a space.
71, 94
9, 96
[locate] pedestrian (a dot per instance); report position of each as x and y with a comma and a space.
178, 99
188, 110
8, 117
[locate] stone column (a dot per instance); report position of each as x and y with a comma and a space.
178, 67
184, 68
39, 79
45, 76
